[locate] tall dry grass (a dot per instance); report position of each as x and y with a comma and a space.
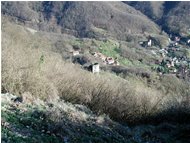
124, 100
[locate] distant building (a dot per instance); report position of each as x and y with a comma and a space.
149, 44
110, 60
141, 42
75, 53
95, 68
95, 54
101, 56
116, 62
163, 55
163, 51
168, 65
172, 63
177, 39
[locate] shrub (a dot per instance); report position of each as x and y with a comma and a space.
131, 99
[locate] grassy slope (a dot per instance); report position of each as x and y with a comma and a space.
68, 123
58, 123
121, 99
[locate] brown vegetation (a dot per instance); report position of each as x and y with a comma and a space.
172, 16
84, 19
31, 67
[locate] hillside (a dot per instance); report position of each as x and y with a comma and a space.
84, 19
172, 16
81, 72
152, 9
31, 122
177, 19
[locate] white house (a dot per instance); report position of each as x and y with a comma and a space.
95, 68
176, 43
149, 43
75, 53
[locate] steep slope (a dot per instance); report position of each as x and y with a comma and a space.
172, 16
60, 121
63, 122
85, 19
177, 19
42, 80
114, 17
152, 9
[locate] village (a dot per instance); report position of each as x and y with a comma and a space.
172, 59
99, 59
95, 67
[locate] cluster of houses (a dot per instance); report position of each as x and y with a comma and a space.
105, 59
163, 52
170, 62
174, 41
173, 46
95, 68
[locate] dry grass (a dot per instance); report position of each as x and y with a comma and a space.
128, 100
